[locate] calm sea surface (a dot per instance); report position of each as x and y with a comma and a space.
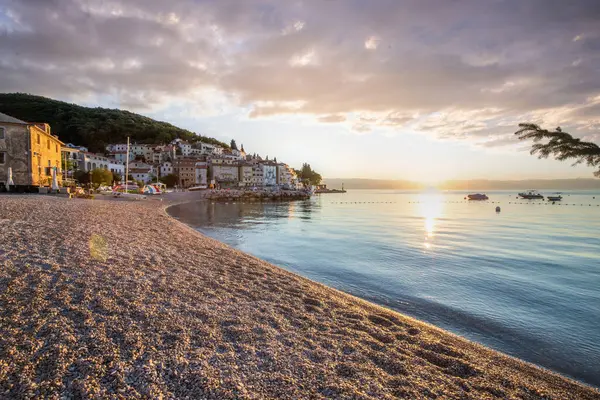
525, 281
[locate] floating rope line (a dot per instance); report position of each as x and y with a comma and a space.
545, 203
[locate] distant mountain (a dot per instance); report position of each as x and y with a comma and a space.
474, 185
93, 127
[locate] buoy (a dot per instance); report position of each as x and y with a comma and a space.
498, 209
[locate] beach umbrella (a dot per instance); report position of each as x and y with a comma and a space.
54, 179
10, 178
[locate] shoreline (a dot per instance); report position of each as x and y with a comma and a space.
228, 225
133, 302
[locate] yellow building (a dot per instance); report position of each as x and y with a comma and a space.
30, 151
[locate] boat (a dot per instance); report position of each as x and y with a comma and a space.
531, 194
198, 187
555, 197
477, 196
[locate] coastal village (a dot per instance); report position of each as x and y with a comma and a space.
33, 157
131, 303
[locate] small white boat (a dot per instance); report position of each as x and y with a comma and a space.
198, 187
531, 194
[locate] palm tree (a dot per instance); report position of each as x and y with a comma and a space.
561, 145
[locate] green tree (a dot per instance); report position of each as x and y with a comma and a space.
101, 177
82, 177
67, 165
233, 145
117, 177
170, 180
308, 176
316, 178
560, 145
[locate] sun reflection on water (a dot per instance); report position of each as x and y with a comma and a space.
430, 208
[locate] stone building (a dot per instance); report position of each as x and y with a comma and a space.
30, 150
185, 169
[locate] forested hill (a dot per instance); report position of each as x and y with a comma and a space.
93, 127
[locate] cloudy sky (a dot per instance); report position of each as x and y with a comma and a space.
408, 89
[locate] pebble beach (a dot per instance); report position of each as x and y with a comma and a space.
115, 299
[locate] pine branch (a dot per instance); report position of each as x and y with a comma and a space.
560, 145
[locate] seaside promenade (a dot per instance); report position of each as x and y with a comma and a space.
115, 299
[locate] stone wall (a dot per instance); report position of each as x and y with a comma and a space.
15, 146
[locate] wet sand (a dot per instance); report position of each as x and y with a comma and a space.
115, 299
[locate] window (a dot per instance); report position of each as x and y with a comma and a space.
57, 148
48, 144
39, 140
1, 132
2, 157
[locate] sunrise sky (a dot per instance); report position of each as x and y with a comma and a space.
422, 90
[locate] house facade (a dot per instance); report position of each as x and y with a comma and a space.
90, 161
30, 150
224, 174
269, 174
166, 168
185, 169
201, 173
246, 176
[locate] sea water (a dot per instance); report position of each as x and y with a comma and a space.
525, 281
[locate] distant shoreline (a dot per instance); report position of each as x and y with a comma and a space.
475, 184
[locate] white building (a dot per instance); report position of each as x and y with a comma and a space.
201, 148
284, 175
116, 167
113, 148
141, 171
90, 161
166, 168
269, 171
201, 173
121, 156
257, 175
140, 174
142, 150
246, 175
185, 148
223, 159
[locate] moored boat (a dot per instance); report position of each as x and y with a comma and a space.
531, 194
477, 196
554, 197
198, 187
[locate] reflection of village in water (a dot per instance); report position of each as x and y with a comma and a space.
241, 215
